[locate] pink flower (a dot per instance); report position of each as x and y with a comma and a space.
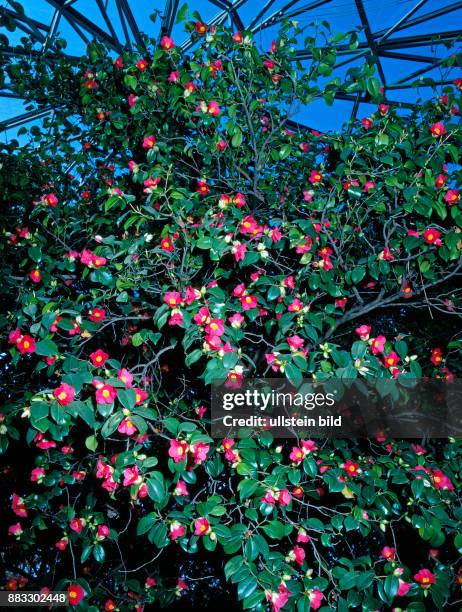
363, 331
308, 446
49, 199
97, 314
77, 524
388, 553
99, 358
302, 536
248, 302
180, 488
236, 320
295, 306
441, 481
15, 530
403, 588
18, 507
296, 455
177, 530
106, 394
37, 474
295, 342
452, 197
284, 498
315, 177
64, 394
437, 129
425, 578
201, 526
167, 43
178, 450
127, 427
102, 532
378, 344
239, 250
367, 123
149, 142
297, 554
278, 599
215, 327
172, 298
125, 376
213, 109
131, 476
200, 451
174, 77
316, 598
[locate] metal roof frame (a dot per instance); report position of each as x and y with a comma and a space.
394, 42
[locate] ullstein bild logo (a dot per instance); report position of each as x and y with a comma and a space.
337, 408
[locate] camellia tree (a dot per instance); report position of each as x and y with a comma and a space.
170, 225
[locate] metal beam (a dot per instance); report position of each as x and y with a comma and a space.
420, 40
370, 38
25, 118
282, 13
132, 24
76, 18
423, 18
168, 17
421, 71
108, 22
399, 24
426, 59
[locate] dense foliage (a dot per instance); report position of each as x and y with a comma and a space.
170, 225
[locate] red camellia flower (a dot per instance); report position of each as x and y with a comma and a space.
172, 298
315, 597
99, 358
367, 123
140, 396
178, 450
432, 236
440, 180
351, 467
76, 594
106, 394
425, 578
201, 526
49, 200
452, 197
177, 530
249, 301
213, 109
149, 142
119, 63
167, 43
438, 129
237, 37
315, 177
35, 276
200, 27
26, 344
97, 314
166, 245
141, 64
18, 507
388, 553
436, 356
383, 109
391, 360
202, 188
109, 606
64, 394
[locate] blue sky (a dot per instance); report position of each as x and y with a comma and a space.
341, 14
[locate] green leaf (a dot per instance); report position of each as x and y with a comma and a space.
46, 348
